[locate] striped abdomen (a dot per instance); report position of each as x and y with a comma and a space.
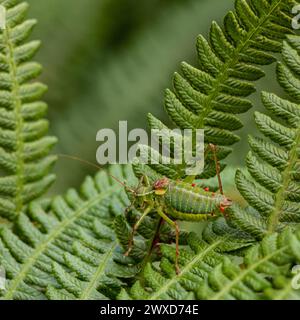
186, 199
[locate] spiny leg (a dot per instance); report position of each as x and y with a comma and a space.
146, 180
177, 231
135, 228
175, 225
218, 167
142, 179
218, 171
129, 208
132, 204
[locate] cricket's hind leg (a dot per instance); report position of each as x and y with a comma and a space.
175, 225
135, 228
213, 148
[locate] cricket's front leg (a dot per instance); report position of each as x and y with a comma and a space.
143, 180
175, 225
146, 181
135, 228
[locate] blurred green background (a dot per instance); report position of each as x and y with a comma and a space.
110, 60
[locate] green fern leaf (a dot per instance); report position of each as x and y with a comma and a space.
66, 248
236, 238
274, 190
24, 148
196, 263
272, 186
132, 80
212, 96
264, 274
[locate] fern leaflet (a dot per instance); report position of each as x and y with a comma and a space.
265, 273
74, 234
212, 96
206, 274
24, 147
274, 190
164, 284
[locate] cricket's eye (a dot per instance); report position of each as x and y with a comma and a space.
161, 184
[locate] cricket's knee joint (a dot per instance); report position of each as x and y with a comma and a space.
213, 146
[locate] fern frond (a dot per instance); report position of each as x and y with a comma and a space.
24, 148
273, 163
264, 274
272, 186
212, 96
196, 263
67, 248
236, 238
132, 80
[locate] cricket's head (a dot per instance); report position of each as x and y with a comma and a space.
139, 194
160, 186
140, 197
143, 194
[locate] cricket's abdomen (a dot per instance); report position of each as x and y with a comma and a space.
184, 198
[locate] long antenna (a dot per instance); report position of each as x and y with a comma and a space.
66, 156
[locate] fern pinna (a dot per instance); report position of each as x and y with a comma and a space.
206, 274
272, 190
66, 248
273, 163
24, 148
212, 96
71, 248
147, 63
264, 274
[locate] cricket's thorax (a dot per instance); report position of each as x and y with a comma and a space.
193, 200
